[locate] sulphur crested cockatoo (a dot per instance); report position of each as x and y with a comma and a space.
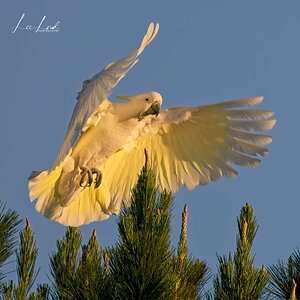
103, 149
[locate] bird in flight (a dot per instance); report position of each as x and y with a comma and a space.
103, 148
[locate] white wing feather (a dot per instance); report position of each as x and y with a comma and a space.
97, 89
191, 146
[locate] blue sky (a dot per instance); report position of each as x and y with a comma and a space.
206, 51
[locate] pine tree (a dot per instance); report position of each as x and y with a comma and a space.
79, 272
141, 261
237, 278
285, 278
26, 259
63, 263
9, 225
191, 272
26, 254
143, 264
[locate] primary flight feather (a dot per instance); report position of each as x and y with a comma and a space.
103, 149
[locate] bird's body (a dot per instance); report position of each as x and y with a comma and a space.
90, 151
114, 124
103, 150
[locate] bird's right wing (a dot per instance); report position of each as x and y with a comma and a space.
191, 146
97, 89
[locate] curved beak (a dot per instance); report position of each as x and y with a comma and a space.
154, 109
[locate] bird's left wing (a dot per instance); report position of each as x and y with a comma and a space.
191, 146
97, 89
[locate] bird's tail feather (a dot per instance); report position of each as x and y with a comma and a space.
91, 204
42, 186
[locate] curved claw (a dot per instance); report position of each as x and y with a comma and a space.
86, 172
98, 179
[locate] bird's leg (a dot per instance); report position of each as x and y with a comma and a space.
98, 179
86, 172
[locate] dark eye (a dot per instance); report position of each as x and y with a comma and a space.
147, 99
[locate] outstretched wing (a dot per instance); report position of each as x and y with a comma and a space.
97, 89
191, 146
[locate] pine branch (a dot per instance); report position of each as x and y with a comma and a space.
26, 253
7, 290
79, 274
192, 273
63, 263
140, 262
182, 251
142, 265
42, 293
237, 278
93, 273
26, 260
9, 226
285, 278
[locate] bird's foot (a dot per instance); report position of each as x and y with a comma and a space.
98, 178
86, 172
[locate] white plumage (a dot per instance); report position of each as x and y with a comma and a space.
187, 146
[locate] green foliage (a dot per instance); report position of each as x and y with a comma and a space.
63, 263
26, 255
26, 259
191, 273
7, 290
42, 292
141, 261
9, 226
237, 278
79, 274
285, 278
142, 264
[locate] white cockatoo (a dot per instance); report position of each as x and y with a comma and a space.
103, 149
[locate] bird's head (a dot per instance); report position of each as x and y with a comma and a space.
145, 104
